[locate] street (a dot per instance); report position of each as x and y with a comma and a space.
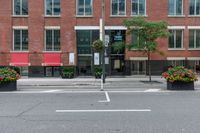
100, 112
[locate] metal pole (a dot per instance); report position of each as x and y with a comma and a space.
103, 39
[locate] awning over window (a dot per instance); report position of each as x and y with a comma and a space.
52, 59
19, 59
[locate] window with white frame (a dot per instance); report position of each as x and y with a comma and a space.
175, 7
194, 65
138, 7
194, 7
20, 42
52, 7
52, 40
176, 63
194, 38
84, 7
20, 7
176, 39
118, 8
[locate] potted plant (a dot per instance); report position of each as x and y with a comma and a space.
67, 72
17, 69
98, 46
180, 78
8, 79
98, 72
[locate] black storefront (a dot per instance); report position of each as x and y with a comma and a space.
115, 63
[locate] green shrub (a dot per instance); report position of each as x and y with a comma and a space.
118, 47
67, 72
98, 71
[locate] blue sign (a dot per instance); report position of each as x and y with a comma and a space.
118, 38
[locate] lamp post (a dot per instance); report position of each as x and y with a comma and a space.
102, 37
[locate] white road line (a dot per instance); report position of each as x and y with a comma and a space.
107, 98
90, 111
51, 91
152, 90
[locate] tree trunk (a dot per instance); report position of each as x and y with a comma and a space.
149, 65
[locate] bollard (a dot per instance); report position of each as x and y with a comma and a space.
102, 89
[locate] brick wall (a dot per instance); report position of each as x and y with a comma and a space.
36, 21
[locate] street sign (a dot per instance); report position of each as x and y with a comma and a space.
96, 59
107, 40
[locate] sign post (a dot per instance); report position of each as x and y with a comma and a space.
102, 37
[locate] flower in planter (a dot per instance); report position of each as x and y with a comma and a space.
98, 46
179, 73
8, 75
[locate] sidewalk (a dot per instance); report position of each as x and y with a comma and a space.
92, 80
80, 83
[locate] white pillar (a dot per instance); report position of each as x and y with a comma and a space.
101, 28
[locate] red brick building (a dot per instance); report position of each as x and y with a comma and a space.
41, 35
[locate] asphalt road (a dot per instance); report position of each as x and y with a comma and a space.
100, 112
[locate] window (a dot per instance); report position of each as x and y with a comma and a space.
52, 40
176, 63
138, 7
20, 40
194, 8
194, 38
118, 7
176, 39
194, 64
52, 7
175, 7
84, 7
20, 7
135, 38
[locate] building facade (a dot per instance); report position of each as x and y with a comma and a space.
40, 36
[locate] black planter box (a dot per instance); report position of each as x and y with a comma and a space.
179, 85
97, 77
8, 86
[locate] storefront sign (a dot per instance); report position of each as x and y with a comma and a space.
107, 40
96, 59
118, 38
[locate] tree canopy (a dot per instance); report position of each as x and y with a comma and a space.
147, 34
147, 31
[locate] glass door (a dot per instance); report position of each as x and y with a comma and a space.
85, 65
138, 68
49, 71
52, 71
56, 71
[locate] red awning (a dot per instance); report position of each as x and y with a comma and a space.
19, 59
52, 59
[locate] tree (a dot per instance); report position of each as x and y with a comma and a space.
147, 34
118, 47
